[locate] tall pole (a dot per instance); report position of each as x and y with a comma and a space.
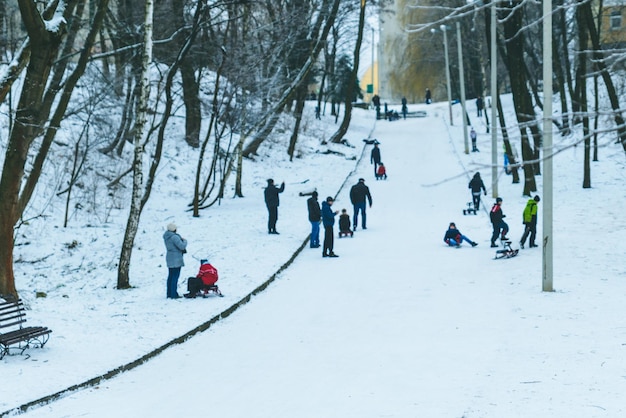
494, 104
373, 92
548, 238
445, 49
462, 78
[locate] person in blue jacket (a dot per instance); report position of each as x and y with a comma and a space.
328, 220
454, 237
176, 246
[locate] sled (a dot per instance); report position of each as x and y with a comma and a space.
506, 252
470, 209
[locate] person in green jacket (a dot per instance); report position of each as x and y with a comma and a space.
530, 222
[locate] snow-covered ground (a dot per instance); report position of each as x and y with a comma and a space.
399, 325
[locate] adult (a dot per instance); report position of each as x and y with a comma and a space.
476, 185
530, 222
405, 108
428, 97
375, 157
328, 220
473, 136
358, 195
500, 228
272, 202
315, 215
376, 103
176, 246
479, 106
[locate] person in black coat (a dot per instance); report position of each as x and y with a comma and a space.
476, 185
375, 157
315, 215
358, 195
497, 221
272, 202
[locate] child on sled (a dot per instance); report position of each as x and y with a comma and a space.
204, 281
344, 224
381, 173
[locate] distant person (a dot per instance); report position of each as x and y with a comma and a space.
272, 202
376, 103
454, 237
386, 110
473, 136
500, 228
476, 185
405, 109
358, 195
428, 97
328, 220
381, 174
315, 215
317, 113
176, 246
530, 222
480, 104
344, 224
375, 157
207, 276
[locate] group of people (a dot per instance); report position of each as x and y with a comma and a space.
360, 196
453, 236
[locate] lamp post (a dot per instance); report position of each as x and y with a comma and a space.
462, 78
494, 105
548, 238
443, 29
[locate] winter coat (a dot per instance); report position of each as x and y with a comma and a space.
208, 274
530, 212
328, 216
271, 195
359, 192
344, 222
452, 233
476, 184
381, 171
176, 247
496, 214
315, 213
375, 155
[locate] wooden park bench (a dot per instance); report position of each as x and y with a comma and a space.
12, 332
416, 114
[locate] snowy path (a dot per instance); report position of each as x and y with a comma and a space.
397, 326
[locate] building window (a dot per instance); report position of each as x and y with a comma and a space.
616, 20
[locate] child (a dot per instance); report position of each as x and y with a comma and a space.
454, 237
205, 280
381, 173
344, 224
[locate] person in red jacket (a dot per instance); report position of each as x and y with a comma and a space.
381, 173
207, 276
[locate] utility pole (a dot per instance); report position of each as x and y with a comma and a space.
494, 104
462, 78
548, 238
444, 29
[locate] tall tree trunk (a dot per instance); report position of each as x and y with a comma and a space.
582, 81
44, 46
521, 98
300, 99
123, 279
598, 57
347, 108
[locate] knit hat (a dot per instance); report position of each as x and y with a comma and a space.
204, 261
171, 227
537, 198
330, 199
498, 199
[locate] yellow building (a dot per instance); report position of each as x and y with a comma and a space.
370, 77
